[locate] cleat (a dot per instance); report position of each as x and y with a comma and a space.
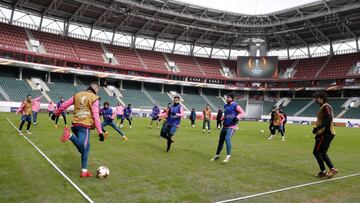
106, 134
56, 126
28, 132
271, 137
35, 123
130, 127
204, 131
20, 132
208, 131
216, 157
283, 139
66, 135
227, 159
125, 138
86, 174
158, 127
121, 126
332, 173
321, 174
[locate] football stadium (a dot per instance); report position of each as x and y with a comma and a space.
179, 101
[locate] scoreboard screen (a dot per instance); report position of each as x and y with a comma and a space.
257, 67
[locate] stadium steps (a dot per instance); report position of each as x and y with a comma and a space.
194, 101
353, 113
3, 95
313, 109
140, 59
267, 107
323, 66
136, 98
305, 107
161, 98
212, 105
18, 89
217, 101
295, 105
172, 94
149, 96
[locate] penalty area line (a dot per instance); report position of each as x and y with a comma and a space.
287, 188
56, 168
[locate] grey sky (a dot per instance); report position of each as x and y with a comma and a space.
249, 7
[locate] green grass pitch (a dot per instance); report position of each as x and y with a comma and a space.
141, 170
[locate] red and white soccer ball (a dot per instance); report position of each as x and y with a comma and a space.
102, 172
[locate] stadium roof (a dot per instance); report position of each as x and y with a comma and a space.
315, 23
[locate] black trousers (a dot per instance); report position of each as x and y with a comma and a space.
192, 122
322, 144
218, 123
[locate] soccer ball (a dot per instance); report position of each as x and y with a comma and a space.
102, 172
261, 131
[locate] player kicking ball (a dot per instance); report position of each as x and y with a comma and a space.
86, 116
173, 119
232, 113
108, 117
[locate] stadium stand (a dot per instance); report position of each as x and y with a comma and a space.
339, 65
62, 89
186, 65
307, 68
353, 113
242, 103
210, 66
18, 89
267, 107
312, 110
87, 50
105, 97
295, 105
12, 37
126, 57
194, 101
154, 61
135, 97
55, 45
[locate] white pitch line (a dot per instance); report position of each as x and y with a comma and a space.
57, 168
288, 188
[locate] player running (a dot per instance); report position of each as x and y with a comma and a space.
26, 111
119, 113
108, 117
173, 114
232, 113
324, 134
63, 113
155, 116
278, 122
127, 115
86, 116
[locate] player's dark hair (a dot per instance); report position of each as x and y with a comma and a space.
231, 95
106, 103
28, 96
321, 95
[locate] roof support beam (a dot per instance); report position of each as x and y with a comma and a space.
79, 12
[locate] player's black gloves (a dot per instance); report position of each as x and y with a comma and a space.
315, 130
53, 117
236, 120
101, 137
173, 113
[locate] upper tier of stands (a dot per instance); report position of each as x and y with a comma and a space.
13, 37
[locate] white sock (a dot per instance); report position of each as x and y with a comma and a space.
84, 170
